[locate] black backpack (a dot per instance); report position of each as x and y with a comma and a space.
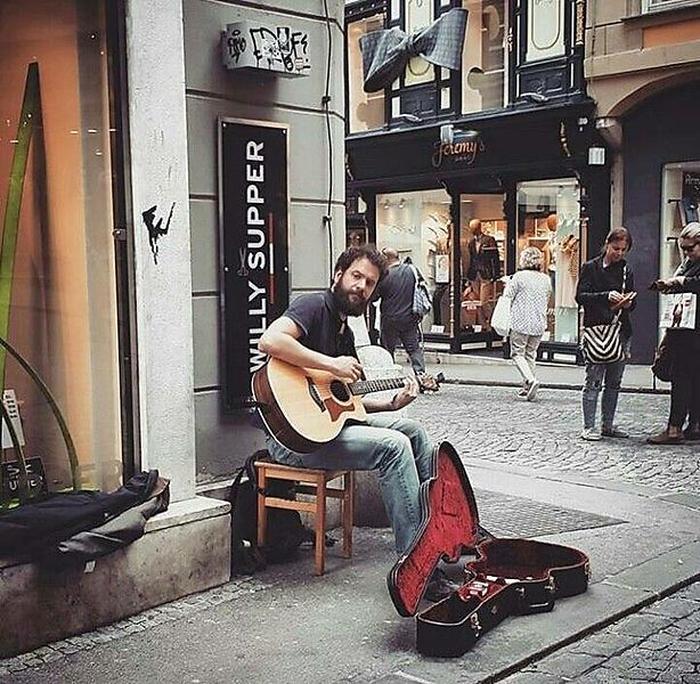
285, 531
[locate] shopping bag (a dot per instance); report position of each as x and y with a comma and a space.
500, 319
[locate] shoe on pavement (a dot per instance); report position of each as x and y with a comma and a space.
532, 390
439, 587
666, 438
590, 435
614, 431
523, 393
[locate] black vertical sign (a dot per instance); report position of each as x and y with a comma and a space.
253, 211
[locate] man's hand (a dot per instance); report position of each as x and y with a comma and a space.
614, 297
671, 283
346, 368
405, 395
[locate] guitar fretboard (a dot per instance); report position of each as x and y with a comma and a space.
367, 386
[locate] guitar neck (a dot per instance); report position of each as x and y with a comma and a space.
367, 386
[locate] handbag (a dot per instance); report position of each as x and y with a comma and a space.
422, 302
663, 366
500, 319
603, 343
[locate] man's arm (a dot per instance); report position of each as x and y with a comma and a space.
402, 398
281, 340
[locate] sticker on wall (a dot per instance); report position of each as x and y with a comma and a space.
269, 47
155, 228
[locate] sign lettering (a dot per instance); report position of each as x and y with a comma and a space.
254, 241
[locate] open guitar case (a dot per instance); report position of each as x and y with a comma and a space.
507, 577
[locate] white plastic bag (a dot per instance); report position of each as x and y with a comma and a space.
500, 319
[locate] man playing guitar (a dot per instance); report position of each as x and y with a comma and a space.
313, 333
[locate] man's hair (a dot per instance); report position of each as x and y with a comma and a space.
352, 254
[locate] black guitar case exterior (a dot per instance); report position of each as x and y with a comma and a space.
507, 577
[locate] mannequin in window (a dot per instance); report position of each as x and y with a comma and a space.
484, 270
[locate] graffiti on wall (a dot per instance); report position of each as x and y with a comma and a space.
155, 227
280, 49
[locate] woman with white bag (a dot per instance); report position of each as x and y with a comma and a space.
529, 291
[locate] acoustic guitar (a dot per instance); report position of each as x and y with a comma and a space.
304, 408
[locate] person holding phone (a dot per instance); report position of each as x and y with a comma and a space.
606, 286
684, 345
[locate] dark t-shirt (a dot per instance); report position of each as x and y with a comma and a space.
322, 328
396, 290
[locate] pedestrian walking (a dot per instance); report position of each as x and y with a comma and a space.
397, 321
684, 344
606, 292
529, 290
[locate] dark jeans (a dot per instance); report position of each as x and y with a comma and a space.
685, 388
409, 335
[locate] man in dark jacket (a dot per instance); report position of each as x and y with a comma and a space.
398, 322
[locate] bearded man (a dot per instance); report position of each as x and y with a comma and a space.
313, 333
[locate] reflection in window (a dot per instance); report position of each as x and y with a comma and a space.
418, 225
63, 316
548, 218
484, 55
366, 110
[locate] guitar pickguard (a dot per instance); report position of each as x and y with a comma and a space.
335, 410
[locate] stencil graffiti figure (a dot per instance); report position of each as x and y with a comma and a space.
155, 229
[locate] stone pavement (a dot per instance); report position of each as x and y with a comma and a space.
661, 643
632, 507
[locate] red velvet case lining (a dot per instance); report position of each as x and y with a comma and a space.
450, 526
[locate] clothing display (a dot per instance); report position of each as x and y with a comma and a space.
566, 257
484, 260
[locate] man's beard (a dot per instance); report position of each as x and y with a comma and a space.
346, 305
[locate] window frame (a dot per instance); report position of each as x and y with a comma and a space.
657, 6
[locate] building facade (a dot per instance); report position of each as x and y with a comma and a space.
170, 175
642, 68
508, 139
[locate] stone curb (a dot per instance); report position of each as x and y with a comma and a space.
547, 385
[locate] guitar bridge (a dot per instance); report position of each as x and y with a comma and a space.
314, 394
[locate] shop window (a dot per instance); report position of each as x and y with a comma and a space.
680, 206
546, 30
548, 218
61, 275
418, 226
660, 5
484, 56
419, 14
366, 110
483, 254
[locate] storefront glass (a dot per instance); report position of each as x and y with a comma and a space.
418, 225
366, 110
680, 206
548, 218
55, 196
483, 250
484, 55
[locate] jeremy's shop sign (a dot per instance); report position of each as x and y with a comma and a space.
253, 209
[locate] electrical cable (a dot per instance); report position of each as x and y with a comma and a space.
325, 102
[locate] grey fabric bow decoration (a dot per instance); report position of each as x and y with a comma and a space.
385, 53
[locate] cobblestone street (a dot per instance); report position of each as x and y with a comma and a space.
661, 643
490, 423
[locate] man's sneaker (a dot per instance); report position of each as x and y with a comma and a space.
614, 431
532, 390
590, 435
523, 392
439, 587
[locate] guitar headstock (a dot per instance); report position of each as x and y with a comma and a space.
430, 383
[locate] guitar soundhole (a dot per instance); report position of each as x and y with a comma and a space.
339, 391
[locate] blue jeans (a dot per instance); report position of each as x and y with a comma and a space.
596, 374
398, 448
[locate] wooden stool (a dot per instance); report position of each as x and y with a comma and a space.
313, 483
